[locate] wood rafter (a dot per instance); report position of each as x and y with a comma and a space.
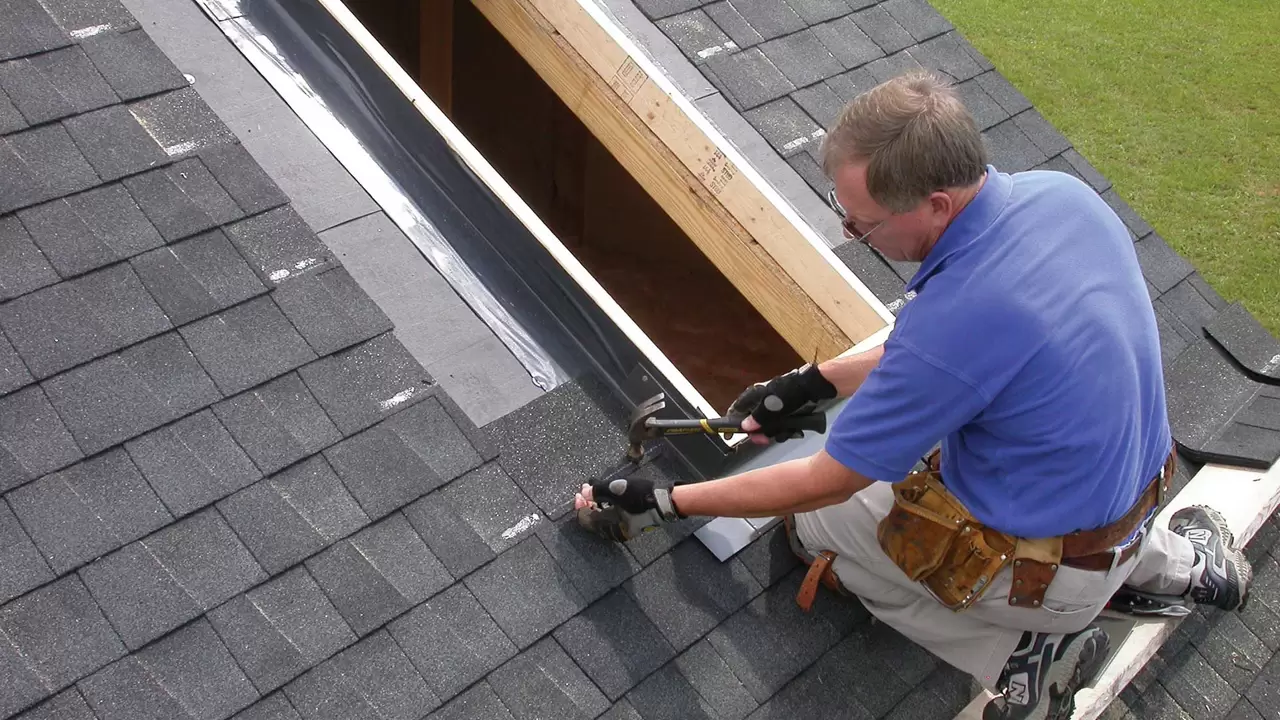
780, 272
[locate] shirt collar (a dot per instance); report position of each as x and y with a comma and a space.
972, 221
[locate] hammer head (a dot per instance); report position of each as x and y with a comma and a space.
637, 432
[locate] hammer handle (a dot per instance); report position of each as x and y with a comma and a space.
816, 422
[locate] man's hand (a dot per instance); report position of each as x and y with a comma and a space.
766, 403
636, 504
637, 493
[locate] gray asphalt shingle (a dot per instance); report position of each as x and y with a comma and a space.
1044, 135
984, 108
279, 245
54, 85
801, 57
66, 705
112, 227
192, 463
57, 164
525, 592
1010, 150
127, 690
359, 386
28, 29
126, 394
945, 54
138, 595
543, 682
1240, 334
10, 119
183, 199
614, 643
88, 510
33, 439
294, 514
133, 64
667, 693
398, 460
197, 277
498, 511
21, 567
883, 29
86, 18
23, 267
204, 555
696, 34
788, 129
371, 680
710, 676
278, 423
194, 667
379, 573
480, 702
331, 311
1163, 267
847, 42
272, 707
705, 589
281, 628
451, 538
60, 633
19, 185
59, 327
181, 122
13, 372
769, 18
235, 169
247, 345
728, 19
770, 640
114, 143
553, 444
749, 78
452, 641
823, 105
594, 565
918, 17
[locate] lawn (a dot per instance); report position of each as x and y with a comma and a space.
1177, 103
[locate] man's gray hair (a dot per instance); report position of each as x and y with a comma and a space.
915, 135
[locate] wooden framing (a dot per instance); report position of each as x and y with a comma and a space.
790, 277
1247, 499
435, 58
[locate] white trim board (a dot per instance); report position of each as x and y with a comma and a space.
1247, 499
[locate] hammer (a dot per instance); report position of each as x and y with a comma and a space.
644, 425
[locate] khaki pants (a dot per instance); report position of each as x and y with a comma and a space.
980, 639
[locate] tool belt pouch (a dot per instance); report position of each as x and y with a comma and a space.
935, 541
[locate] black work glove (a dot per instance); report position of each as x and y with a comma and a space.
784, 395
637, 494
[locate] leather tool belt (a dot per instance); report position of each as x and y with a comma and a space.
936, 541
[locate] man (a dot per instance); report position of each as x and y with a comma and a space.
1030, 354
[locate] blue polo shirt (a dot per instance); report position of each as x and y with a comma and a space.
1030, 351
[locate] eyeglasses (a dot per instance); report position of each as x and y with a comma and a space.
850, 230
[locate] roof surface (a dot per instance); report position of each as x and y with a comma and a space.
229, 489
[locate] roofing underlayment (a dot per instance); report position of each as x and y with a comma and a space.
258, 460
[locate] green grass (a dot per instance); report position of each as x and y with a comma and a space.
1177, 103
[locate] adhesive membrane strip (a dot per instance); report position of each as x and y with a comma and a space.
375, 132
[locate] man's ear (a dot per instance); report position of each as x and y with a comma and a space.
940, 204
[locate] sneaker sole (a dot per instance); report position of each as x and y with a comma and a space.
1076, 669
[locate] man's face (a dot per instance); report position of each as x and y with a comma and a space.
903, 237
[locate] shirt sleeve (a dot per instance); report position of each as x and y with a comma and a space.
905, 406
